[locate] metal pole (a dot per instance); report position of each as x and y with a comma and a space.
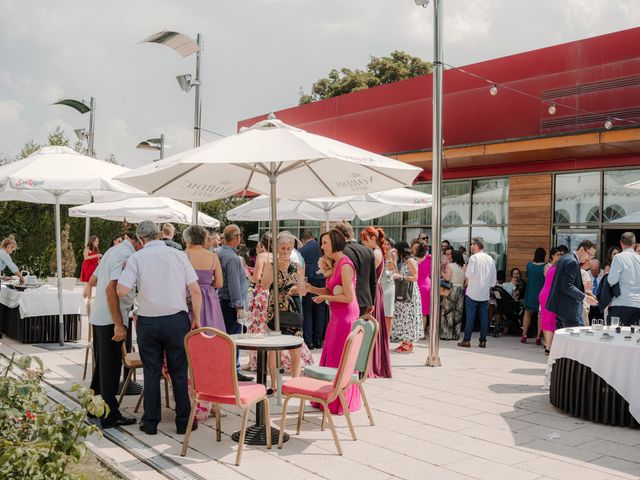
92, 153
436, 180
59, 270
273, 178
161, 146
197, 118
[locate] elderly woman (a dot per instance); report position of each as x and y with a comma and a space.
407, 320
7, 247
288, 278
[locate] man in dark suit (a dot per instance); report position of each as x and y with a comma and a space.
365, 266
314, 313
567, 291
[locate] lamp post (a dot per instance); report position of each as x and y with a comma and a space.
186, 46
154, 144
82, 134
433, 360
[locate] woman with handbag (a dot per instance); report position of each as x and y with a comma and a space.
452, 297
289, 305
407, 321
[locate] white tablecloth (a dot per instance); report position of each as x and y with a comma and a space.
42, 301
616, 361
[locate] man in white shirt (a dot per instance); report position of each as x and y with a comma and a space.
481, 276
162, 276
625, 271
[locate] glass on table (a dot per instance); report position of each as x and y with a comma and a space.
614, 321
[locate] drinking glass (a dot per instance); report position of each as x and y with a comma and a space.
302, 285
615, 321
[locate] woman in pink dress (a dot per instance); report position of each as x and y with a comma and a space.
547, 318
423, 258
340, 292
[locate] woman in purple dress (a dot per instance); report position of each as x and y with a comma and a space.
340, 292
374, 238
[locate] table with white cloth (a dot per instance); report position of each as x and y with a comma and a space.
593, 378
32, 315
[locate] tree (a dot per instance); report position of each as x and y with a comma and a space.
379, 71
68, 259
57, 137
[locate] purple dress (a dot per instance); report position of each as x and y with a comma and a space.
210, 312
381, 362
424, 284
547, 318
343, 315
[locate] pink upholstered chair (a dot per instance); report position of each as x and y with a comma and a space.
212, 373
324, 392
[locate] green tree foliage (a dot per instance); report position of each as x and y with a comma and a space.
379, 71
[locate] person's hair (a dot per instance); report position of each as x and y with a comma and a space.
479, 241
514, 269
539, 255
147, 231
552, 252
306, 235
457, 257
462, 249
501, 276
586, 245
10, 240
610, 254
230, 232
195, 235
285, 237
564, 249
628, 239
336, 238
345, 229
423, 249
91, 244
447, 242
130, 233
115, 237
265, 241
373, 232
168, 229
446, 249
404, 252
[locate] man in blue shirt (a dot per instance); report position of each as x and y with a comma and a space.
235, 285
314, 313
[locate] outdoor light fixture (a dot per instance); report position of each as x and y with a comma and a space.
81, 133
185, 82
154, 144
422, 3
494, 90
552, 109
608, 124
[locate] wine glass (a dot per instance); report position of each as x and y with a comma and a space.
244, 319
615, 321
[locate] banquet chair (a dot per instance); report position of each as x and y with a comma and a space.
89, 348
211, 355
132, 361
324, 392
363, 364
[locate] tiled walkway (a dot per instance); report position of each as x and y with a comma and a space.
484, 414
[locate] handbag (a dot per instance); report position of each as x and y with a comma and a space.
445, 284
404, 290
291, 318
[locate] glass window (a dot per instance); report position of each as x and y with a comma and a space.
490, 201
391, 219
394, 233
457, 236
621, 204
495, 242
577, 198
413, 233
456, 197
572, 238
422, 216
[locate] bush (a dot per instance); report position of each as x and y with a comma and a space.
38, 439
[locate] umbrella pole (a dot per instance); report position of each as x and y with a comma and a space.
59, 270
273, 178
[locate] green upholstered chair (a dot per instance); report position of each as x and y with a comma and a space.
363, 363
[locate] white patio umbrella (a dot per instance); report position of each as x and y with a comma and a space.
135, 210
59, 175
301, 164
365, 207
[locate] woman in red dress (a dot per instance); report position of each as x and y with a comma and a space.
91, 258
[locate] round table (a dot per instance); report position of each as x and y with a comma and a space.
256, 434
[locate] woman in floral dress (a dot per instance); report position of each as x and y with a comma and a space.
407, 321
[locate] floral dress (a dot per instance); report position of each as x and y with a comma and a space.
407, 319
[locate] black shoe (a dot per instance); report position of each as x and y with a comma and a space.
310, 346
318, 345
134, 388
148, 429
244, 378
183, 430
483, 344
121, 421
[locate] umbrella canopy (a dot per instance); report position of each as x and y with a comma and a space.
365, 207
135, 210
60, 175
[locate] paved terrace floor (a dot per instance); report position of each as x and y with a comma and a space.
483, 415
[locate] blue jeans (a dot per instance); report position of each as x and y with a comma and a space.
472, 306
231, 324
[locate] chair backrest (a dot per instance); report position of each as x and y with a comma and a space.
211, 355
370, 327
348, 360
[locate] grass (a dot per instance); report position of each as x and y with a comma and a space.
90, 468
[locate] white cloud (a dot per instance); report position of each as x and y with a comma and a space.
10, 111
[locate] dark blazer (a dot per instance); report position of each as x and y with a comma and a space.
311, 253
567, 291
607, 293
365, 265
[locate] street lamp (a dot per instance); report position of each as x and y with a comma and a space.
83, 134
154, 144
433, 360
186, 46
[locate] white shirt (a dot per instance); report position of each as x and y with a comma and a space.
110, 268
161, 274
481, 275
625, 271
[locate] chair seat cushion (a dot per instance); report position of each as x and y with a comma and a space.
309, 386
132, 360
324, 373
249, 392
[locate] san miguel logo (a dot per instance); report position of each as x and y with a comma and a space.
356, 183
27, 183
205, 190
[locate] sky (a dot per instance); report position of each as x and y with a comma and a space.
257, 56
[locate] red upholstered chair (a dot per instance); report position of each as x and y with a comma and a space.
324, 392
212, 372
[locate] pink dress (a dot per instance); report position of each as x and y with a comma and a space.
343, 315
424, 283
547, 318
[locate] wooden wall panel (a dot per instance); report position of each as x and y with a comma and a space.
530, 204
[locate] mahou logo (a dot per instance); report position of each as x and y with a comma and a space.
356, 183
27, 183
205, 190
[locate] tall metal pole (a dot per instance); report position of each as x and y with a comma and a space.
197, 118
436, 190
92, 153
59, 270
161, 146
